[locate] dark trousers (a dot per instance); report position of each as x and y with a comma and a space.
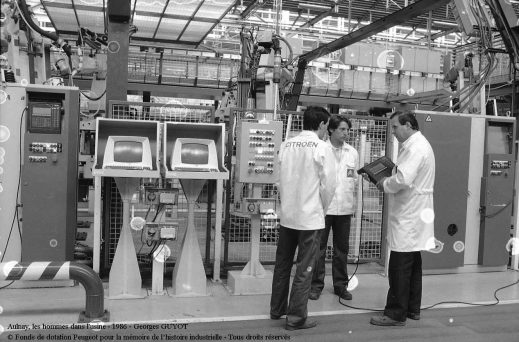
340, 225
307, 244
405, 285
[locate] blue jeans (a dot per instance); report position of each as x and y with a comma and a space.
307, 244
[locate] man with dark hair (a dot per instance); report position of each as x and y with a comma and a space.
410, 221
338, 216
306, 187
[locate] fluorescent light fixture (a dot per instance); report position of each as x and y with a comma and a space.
444, 23
313, 6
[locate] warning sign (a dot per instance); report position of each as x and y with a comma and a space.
428, 119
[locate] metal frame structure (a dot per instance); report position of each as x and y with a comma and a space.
401, 16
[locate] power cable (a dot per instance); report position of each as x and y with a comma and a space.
15, 214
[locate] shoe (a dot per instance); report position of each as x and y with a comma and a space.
306, 325
314, 295
413, 316
344, 294
273, 316
385, 321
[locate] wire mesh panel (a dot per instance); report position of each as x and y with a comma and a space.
370, 224
141, 205
237, 229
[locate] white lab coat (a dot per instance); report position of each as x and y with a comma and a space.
346, 163
411, 211
306, 181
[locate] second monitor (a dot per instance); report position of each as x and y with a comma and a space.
193, 154
194, 150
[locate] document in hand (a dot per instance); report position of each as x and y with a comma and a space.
378, 169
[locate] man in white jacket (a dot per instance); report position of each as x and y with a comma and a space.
410, 221
306, 187
338, 216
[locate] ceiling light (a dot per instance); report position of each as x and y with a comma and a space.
313, 6
444, 23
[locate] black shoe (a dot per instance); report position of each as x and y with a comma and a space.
414, 316
344, 294
314, 295
306, 325
385, 321
273, 316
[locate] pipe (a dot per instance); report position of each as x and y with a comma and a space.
26, 15
47, 270
22, 5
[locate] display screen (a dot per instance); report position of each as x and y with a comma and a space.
194, 153
128, 151
42, 111
378, 168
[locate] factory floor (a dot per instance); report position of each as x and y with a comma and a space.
62, 305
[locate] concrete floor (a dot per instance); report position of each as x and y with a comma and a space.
62, 305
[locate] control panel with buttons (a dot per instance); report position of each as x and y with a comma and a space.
500, 164
45, 147
257, 148
161, 231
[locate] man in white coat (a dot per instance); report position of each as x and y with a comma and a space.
338, 216
410, 221
306, 187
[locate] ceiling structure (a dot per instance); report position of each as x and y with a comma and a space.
190, 23
358, 11
168, 22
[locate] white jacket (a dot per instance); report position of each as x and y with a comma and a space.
306, 181
346, 163
411, 211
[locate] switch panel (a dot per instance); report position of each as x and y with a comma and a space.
258, 146
45, 147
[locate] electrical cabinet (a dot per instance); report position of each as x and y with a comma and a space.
12, 105
473, 190
49, 173
497, 193
449, 136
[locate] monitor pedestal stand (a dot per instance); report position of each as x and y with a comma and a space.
125, 280
189, 278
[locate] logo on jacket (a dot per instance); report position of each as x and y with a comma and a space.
350, 173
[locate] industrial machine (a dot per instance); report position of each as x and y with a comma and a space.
473, 193
49, 173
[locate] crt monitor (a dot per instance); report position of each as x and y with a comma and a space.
127, 152
190, 154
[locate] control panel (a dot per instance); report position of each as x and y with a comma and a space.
160, 196
259, 205
49, 181
497, 167
43, 148
257, 148
161, 231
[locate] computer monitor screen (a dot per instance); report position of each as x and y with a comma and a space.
194, 153
190, 154
127, 152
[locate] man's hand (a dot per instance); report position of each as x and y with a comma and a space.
380, 184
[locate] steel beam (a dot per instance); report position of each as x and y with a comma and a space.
317, 18
253, 6
380, 25
439, 34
